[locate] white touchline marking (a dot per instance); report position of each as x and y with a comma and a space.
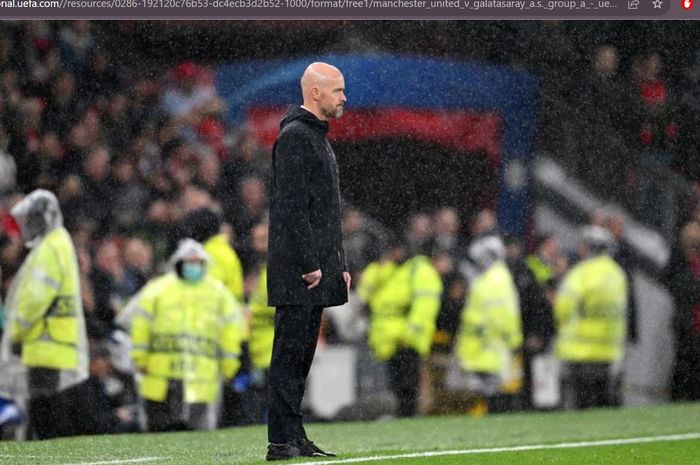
493, 450
118, 461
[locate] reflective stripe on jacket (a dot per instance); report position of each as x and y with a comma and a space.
185, 331
404, 309
590, 311
491, 327
46, 310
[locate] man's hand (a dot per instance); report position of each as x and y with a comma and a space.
312, 278
348, 279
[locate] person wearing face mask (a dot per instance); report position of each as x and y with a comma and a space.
490, 334
45, 328
185, 333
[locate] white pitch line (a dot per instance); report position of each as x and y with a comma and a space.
494, 450
118, 461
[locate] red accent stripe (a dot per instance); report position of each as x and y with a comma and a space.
456, 129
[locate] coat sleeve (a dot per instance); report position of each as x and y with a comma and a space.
37, 291
292, 178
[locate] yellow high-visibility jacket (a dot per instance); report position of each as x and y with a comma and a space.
46, 314
185, 331
373, 277
262, 325
590, 311
226, 267
542, 271
491, 329
405, 308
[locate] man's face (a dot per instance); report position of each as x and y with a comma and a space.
331, 97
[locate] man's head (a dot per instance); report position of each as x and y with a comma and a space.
323, 89
37, 214
190, 261
605, 61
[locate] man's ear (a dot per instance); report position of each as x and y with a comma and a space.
315, 92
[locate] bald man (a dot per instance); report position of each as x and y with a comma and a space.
306, 261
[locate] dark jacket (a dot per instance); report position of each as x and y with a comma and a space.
305, 232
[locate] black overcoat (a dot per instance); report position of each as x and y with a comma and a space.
305, 218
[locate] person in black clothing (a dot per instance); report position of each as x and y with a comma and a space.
682, 278
535, 313
306, 261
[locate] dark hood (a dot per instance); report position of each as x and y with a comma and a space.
296, 112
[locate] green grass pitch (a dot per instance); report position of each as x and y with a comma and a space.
645, 434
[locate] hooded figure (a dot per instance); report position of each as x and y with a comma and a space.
490, 334
185, 332
45, 325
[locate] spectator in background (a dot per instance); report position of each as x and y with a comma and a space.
109, 282
116, 117
189, 99
420, 233
484, 223
682, 277
655, 127
208, 176
8, 167
248, 159
130, 196
601, 99
100, 78
76, 42
361, 241
689, 118
96, 193
138, 264
62, 108
251, 209
590, 311
45, 324
447, 233
24, 141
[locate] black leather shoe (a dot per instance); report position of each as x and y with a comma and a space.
284, 451
309, 449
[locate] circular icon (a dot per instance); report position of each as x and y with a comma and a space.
687, 4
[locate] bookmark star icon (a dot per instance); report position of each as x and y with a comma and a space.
657, 3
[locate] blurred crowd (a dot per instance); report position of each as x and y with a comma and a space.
131, 157
636, 126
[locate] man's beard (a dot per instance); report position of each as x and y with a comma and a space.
333, 112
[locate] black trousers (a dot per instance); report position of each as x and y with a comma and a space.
49, 410
173, 414
296, 334
404, 379
588, 385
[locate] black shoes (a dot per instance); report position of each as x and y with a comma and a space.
299, 448
313, 450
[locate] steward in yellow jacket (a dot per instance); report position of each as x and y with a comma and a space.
590, 311
185, 336
403, 312
45, 324
490, 334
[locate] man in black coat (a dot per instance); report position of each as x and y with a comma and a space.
306, 261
